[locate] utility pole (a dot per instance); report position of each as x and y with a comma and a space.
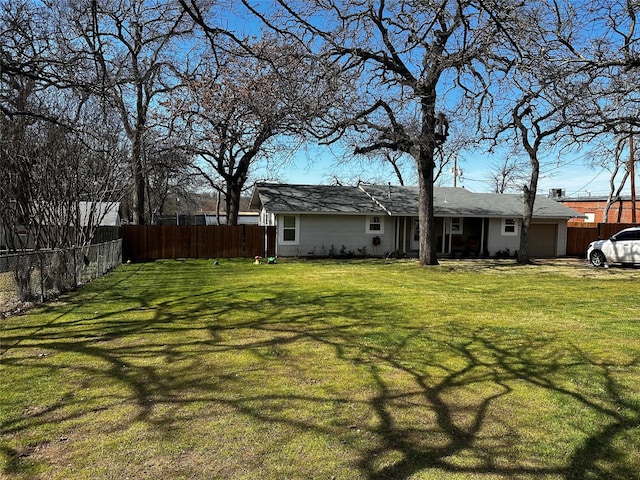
632, 174
456, 172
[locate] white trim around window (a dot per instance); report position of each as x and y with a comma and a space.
289, 230
455, 225
509, 227
375, 224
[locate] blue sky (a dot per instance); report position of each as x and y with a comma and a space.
318, 165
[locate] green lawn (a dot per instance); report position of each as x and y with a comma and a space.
328, 370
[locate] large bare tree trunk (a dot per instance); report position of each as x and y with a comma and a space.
529, 201
139, 179
425, 212
426, 167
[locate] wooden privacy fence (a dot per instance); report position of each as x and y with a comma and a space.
580, 235
154, 242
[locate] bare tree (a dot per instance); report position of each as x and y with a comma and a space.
373, 168
508, 175
533, 130
546, 75
609, 110
169, 174
403, 53
130, 58
610, 104
247, 104
59, 144
608, 155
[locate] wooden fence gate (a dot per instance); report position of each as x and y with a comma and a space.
580, 235
154, 242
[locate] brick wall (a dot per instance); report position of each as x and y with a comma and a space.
619, 212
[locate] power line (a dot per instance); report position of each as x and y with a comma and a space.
589, 182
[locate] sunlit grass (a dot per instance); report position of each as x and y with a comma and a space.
346, 370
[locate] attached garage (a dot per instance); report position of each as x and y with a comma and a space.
543, 240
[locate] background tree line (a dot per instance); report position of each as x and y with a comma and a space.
140, 101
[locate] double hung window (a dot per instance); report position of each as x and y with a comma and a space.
290, 229
509, 227
375, 224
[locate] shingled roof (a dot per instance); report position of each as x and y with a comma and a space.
321, 199
398, 201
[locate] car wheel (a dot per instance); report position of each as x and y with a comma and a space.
598, 259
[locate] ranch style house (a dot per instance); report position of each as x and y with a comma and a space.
320, 220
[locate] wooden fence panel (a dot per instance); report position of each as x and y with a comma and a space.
608, 229
154, 247
152, 242
134, 243
206, 246
106, 234
580, 235
254, 241
578, 239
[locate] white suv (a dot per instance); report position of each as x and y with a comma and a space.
623, 247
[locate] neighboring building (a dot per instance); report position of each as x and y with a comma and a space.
96, 214
319, 219
206, 215
593, 209
201, 219
102, 214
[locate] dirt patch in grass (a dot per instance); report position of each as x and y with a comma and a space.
8, 299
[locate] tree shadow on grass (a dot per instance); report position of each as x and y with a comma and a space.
430, 398
490, 360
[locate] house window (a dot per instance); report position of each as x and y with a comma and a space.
456, 226
590, 217
509, 226
290, 229
375, 224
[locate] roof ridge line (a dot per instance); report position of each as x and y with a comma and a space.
375, 200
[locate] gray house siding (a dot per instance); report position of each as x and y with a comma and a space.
499, 242
318, 234
562, 239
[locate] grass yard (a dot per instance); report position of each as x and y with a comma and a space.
328, 370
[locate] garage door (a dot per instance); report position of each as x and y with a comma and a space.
543, 239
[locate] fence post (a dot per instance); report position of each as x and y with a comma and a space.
265, 242
98, 271
75, 268
41, 277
